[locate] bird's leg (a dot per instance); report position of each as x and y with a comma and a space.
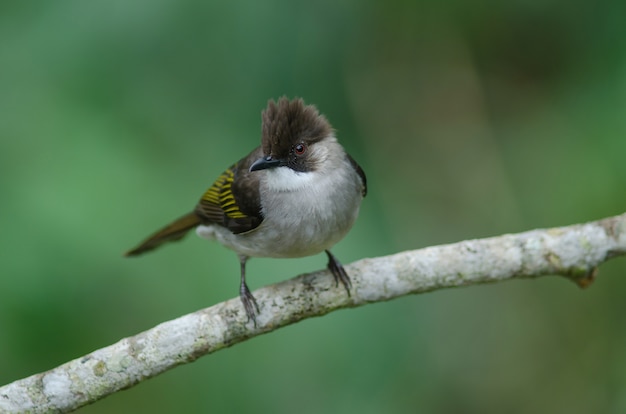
249, 302
339, 273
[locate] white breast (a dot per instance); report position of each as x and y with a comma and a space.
304, 212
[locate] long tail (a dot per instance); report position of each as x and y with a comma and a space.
172, 232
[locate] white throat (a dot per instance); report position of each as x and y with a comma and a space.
327, 156
284, 179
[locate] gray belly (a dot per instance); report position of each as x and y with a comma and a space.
309, 228
304, 214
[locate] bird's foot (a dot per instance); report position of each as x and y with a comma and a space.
249, 303
339, 273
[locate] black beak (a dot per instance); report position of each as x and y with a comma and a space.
264, 163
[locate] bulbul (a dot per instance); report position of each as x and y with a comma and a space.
296, 195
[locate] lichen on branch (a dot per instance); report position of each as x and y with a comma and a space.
574, 252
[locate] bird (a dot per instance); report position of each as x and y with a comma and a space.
295, 195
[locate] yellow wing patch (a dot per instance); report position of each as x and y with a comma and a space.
220, 194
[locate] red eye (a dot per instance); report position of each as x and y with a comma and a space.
299, 149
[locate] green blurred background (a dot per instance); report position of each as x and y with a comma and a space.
471, 119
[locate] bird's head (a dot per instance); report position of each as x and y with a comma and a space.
294, 135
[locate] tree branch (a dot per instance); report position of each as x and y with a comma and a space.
573, 252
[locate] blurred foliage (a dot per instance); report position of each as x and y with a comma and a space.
471, 119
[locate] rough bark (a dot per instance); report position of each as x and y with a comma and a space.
573, 252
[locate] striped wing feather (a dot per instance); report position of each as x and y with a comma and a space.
233, 199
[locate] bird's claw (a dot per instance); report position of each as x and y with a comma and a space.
339, 273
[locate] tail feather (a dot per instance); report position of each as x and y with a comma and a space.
172, 232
